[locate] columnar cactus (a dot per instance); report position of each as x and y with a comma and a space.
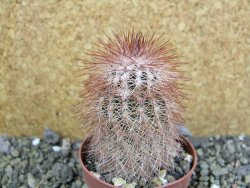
131, 104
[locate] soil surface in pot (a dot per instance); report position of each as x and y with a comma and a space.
182, 167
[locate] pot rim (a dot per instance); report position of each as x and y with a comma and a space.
183, 139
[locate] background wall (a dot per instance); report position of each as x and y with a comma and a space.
40, 41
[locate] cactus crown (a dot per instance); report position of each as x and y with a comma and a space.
131, 104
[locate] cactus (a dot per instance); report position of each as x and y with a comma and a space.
131, 104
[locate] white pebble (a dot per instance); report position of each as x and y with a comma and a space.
157, 181
189, 158
130, 185
98, 176
162, 173
56, 148
241, 137
215, 186
36, 141
118, 182
163, 181
65, 146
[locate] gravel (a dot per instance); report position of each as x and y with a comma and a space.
5, 145
62, 172
51, 137
163, 177
223, 161
27, 162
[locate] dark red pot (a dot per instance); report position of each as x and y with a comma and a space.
93, 182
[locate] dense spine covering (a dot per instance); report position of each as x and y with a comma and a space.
131, 104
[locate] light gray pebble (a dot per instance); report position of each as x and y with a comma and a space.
242, 170
204, 178
221, 161
8, 169
5, 179
230, 147
108, 178
142, 182
217, 147
198, 141
51, 137
223, 182
231, 179
214, 165
62, 172
186, 166
204, 172
5, 145
247, 179
211, 178
199, 152
32, 182
170, 178
230, 167
65, 149
219, 171
179, 170
3, 164
77, 184
217, 137
210, 160
21, 178
15, 162
15, 153
76, 145
243, 160
203, 165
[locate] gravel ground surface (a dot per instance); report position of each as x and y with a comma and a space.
51, 162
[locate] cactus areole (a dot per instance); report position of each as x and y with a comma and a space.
131, 105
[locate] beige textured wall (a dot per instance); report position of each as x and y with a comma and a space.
40, 41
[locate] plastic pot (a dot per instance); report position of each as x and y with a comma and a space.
94, 182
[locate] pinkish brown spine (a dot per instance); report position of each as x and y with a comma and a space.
131, 104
